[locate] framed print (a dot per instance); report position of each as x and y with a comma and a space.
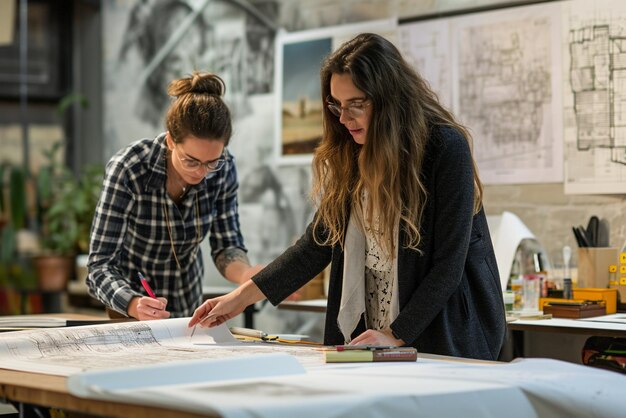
299, 57
48, 65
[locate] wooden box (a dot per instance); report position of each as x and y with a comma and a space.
574, 310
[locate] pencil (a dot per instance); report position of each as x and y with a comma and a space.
204, 318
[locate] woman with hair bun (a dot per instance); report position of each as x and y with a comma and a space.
160, 198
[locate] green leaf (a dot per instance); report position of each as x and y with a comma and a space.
68, 100
8, 239
18, 197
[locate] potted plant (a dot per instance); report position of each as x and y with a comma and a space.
66, 205
57, 223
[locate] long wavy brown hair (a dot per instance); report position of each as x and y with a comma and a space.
388, 166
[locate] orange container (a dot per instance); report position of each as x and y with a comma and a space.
544, 301
591, 293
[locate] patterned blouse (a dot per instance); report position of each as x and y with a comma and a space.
136, 224
378, 278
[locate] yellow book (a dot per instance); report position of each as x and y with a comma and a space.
371, 355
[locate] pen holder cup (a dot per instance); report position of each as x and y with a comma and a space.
593, 266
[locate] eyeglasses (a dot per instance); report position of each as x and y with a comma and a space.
355, 110
191, 164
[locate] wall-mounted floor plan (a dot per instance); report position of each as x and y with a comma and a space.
595, 101
506, 92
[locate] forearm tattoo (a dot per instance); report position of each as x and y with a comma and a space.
229, 255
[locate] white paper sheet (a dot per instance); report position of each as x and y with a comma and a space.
100, 383
528, 388
337, 394
556, 388
608, 319
442, 388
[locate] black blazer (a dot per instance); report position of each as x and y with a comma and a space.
450, 295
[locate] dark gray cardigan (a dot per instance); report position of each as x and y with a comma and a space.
450, 296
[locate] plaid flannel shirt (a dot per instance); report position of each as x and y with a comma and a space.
130, 232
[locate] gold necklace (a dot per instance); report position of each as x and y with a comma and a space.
169, 228
183, 185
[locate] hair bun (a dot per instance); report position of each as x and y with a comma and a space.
198, 83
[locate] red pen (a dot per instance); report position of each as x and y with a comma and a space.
146, 286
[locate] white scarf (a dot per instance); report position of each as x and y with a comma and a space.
352, 305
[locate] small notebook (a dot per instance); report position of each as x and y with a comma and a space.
375, 355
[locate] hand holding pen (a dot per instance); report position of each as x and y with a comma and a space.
148, 307
218, 310
212, 313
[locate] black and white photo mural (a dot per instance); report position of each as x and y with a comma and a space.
148, 43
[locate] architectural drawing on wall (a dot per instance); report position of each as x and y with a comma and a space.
426, 46
595, 106
507, 91
597, 75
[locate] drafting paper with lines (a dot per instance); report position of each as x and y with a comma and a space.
507, 91
65, 351
594, 36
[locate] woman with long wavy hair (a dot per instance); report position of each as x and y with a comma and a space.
399, 215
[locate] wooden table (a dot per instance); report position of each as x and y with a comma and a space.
51, 391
